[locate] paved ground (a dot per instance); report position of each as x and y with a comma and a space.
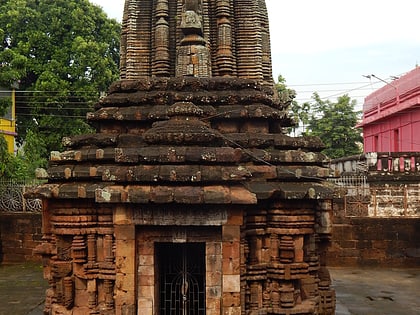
376, 291
359, 291
22, 289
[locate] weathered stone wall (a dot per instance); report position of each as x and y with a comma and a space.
20, 233
380, 242
379, 184
380, 200
395, 199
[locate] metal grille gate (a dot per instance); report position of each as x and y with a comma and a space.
181, 278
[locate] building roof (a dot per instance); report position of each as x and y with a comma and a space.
398, 95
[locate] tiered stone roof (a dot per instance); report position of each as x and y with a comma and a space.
188, 140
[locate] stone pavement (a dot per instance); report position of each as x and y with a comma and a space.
376, 291
359, 291
22, 289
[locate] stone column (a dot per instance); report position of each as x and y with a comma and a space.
125, 257
214, 267
146, 277
231, 240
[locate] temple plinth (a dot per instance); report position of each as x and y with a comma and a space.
189, 198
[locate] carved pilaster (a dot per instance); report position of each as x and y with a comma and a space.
287, 299
108, 247
255, 250
255, 291
224, 54
274, 248
287, 249
59, 292
244, 286
109, 296
91, 241
275, 294
79, 249
68, 293
267, 294
92, 292
161, 62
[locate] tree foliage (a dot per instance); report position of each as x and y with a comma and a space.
334, 123
5, 105
11, 166
30, 156
298, 112
286, 95
62, 53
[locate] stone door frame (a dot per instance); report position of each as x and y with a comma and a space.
136, 233
147, 272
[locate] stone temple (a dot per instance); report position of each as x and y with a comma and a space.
189, 198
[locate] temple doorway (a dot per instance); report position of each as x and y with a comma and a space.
182, 277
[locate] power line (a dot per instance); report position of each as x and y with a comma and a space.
54, 115
330, 83
56, 91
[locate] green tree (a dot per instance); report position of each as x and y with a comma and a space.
298, 112
5, 105
62, 53
286, 95
34, 153
11, 166
334, 123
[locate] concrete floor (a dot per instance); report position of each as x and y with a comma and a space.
358, 291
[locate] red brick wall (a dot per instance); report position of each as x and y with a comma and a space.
20, 233
381, 242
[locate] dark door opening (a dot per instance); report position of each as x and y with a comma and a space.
182, 275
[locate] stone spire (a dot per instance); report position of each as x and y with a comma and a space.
200, 38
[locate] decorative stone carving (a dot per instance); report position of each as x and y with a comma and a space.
193, 55
202, 38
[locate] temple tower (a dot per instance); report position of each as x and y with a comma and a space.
201, 38
189, 198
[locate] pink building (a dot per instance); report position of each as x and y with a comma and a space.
391, 116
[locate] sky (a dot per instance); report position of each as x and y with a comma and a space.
327, 46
